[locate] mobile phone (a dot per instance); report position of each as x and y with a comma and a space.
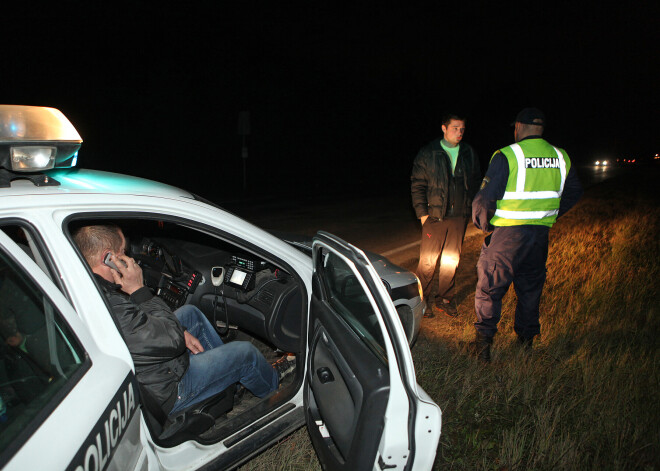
108, 262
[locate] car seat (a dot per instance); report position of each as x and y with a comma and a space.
187, 424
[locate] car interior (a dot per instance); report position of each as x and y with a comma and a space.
249, 294
246, 293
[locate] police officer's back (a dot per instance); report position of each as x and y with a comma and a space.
528, 185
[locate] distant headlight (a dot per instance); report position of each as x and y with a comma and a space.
604, 162
32, 158
597, 162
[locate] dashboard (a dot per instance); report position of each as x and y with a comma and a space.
233, 288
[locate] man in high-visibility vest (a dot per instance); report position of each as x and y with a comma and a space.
528, 185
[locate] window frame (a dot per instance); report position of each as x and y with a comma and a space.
376, 344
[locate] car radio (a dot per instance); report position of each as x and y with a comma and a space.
173, 293
249, 264
241, 273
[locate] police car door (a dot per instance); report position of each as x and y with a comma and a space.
64, 403
363, 407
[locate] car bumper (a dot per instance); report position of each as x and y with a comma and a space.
418, 314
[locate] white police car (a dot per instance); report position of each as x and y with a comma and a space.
69, 398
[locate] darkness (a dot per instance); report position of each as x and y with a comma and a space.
340, 98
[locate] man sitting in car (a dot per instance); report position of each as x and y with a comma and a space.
158, 338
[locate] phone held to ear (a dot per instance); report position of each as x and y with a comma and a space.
110, 263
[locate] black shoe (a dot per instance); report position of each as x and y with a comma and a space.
481, 347
284, 366
525, 342
446, 308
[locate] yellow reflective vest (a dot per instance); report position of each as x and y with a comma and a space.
537, 173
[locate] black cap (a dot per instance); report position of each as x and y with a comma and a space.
530, 116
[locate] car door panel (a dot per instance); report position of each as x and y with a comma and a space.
344, 388
364, 409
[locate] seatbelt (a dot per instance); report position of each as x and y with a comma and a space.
50, 331
36, 254
48, 309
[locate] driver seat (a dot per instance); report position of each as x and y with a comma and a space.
189, 423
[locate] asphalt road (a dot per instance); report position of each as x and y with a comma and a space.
385, 225
381, 224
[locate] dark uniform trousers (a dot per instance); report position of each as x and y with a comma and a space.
442, 239
511, 254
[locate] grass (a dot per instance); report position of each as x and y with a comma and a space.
588, 395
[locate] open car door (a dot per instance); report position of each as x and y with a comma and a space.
363, 407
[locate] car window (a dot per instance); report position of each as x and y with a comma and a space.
350, 301
26, 239
40, 355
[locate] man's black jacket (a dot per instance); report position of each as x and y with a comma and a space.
155, 339
431, 179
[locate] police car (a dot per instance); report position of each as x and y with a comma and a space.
68, 394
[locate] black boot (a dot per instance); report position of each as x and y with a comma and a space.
482, 347
526, 342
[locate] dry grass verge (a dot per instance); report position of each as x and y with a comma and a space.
588, 395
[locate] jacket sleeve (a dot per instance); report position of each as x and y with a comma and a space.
492, 189
419, 185
572, 192
151, 330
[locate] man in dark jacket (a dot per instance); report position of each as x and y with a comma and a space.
445, 177
179, 357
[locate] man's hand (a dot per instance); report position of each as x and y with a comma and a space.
192, 343
129, 276
423, 219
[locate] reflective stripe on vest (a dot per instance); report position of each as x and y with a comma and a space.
520, 206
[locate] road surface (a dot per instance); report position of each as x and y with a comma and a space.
380, 224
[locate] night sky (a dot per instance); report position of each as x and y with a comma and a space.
340, 98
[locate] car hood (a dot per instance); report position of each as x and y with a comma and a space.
393, 274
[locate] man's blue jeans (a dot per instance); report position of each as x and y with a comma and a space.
220, 365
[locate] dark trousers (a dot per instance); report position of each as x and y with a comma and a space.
443, 239
515, 255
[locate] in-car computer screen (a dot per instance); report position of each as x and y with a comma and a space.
237, 277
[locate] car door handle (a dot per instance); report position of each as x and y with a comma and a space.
325, 375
